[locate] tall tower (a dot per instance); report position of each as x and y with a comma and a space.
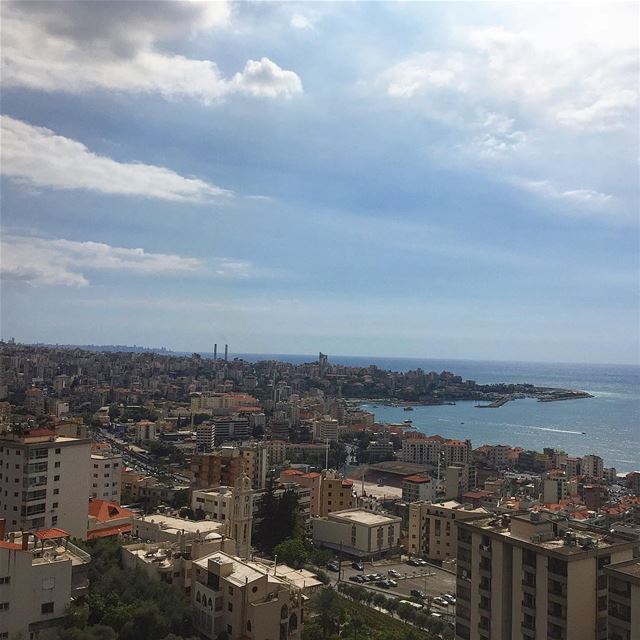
215, 351
226, 352
241, 519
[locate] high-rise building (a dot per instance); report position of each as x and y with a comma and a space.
533, 578
225, 465
432, 531
592, 466
436, 448
205, 437
106, 469
336, 493
46, 481
624, 600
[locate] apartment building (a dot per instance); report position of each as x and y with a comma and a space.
336, 493
358, 532
231, 428
556, 488
592, 466
206, 437
325, 429
245, 600
106, 468
624, 600
416, 487
39, 574
148, 491
312, 481
432, 449
533, 578
225, 465
45, 480
432, 531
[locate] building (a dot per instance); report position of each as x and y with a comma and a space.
593, 467
312, 481
303, 495
106, 469
39, 574
245, 600
336, 493
434, 449
206, 437
432, 532
34, 401
633, 482
225, 465
623, 593
417, 487
457, 481
146, 490
46, 480
556, 488
159, 527
170, 562
107, 519
325, 429
529, 577
358, 532
232, 506
231, 428
145, 430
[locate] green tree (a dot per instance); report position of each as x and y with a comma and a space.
292, 552
328, 608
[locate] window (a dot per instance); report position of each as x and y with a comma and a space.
229, 629
5, 580
57, 465
47, 607
58, 450
56, 478
230, 606
4, 606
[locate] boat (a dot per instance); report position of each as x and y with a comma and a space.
408, 422
408, 408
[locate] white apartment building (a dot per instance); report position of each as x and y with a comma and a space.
324, 429
145, 430
417, 487
436, 448
245, 600
206, 437
45, 481
106, 468
39, 574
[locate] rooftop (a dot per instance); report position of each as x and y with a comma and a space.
361, 516
205, 527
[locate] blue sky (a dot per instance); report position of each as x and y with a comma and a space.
434, 180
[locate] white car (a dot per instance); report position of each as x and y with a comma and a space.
393, 573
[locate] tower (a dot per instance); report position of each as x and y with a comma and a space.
226, 352
215, 351
241, 519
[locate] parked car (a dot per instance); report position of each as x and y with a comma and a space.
423, 563
394, 574
416, 593
370, 577
391, 582
383, 583
359, 579
441, 601
357, 565
450, 598
413, 562
354, 578
333, 566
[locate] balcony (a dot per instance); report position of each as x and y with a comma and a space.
529, 609
557, 620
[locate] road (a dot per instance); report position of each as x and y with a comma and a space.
430, 580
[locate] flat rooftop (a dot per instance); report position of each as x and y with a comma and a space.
629, 569
182, 524
396, 467
361, 516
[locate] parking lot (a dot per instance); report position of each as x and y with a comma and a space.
431, 580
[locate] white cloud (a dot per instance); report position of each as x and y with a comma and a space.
298, 21
116, 46
37, 156
497, 137
41, 261
579, 196
263, 78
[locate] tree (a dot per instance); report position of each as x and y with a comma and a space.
356, 624
379, 600
292, 552
328, 607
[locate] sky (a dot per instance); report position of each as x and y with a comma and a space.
446, 180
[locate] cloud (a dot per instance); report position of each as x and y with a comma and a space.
590, 85
41, 261
263, 78
298, 21
120, 46
577, 196
37, 156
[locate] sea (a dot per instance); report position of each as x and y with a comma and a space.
607, 425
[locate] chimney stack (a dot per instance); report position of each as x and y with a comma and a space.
215, 351
226, 352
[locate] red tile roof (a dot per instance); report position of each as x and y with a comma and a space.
104, 511
51, 534
109, 531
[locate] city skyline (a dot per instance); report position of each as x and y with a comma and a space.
443, 180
